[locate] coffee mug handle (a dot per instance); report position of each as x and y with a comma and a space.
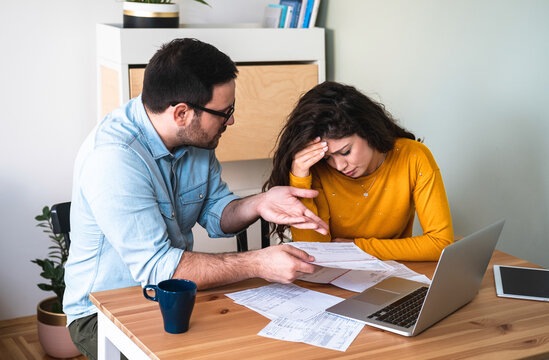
150, 287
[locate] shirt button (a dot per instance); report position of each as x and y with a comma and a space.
173, 214
201, 196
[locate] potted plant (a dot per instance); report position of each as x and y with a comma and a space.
152, 13
52, 331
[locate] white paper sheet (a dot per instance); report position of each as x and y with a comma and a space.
340, 255
345, 265
325, 330
298, 315
360, 280
403, 271
285, 300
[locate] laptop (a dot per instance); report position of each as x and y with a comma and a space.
408, 307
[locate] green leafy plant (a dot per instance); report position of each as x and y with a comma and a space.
53, 267
163, 1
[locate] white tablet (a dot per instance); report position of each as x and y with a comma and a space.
522, 282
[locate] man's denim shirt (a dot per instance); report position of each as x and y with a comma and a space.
133, 207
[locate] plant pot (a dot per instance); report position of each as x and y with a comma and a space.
146, 15
53, 333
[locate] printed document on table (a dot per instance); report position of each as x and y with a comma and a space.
285, 300
405, 272
325, 330
354, 269
360, 280
344, 265
298, 315
340, 255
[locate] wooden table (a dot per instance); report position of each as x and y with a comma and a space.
489, 327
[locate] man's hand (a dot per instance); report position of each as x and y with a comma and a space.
282, 263
281, 205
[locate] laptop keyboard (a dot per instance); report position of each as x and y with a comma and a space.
403, 312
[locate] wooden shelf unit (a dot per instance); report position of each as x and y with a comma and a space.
276, 66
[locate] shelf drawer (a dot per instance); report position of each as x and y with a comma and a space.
265, 96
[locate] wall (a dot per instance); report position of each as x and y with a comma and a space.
471, 78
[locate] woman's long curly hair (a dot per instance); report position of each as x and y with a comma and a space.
331, 111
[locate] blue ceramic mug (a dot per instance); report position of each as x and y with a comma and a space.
176, 299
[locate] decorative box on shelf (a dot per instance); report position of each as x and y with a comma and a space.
276, 66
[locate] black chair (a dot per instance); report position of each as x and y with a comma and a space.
242, 238
61, 220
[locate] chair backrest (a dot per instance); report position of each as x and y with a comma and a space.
61, 220
242, 238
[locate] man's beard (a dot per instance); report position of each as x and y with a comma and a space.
194, 135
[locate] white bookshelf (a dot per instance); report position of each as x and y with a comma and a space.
120, 50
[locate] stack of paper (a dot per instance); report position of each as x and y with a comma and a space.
298, 315
345, 265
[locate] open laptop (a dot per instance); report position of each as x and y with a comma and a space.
408, 307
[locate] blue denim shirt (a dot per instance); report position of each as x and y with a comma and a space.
133, 207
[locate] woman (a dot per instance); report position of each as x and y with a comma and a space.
371, 174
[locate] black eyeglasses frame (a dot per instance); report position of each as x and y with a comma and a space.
225, 115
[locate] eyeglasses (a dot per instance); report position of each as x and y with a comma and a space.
225, 115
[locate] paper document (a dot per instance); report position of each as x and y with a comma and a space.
403, 271
325, 330
298, 315
340, 255
346, 266
285, 300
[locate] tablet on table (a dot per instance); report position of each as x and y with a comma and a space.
522, 282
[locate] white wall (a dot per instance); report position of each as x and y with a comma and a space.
468, 76
48, 105
472, 78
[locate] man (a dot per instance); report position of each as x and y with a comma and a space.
147, 173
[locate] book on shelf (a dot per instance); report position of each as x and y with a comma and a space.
296, 8
271, 17
291, 14
314, 14
302, 13
311, 12
283, 14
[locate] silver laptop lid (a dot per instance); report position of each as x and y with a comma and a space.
456, 281
458, 275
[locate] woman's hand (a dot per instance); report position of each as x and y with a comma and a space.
310, 155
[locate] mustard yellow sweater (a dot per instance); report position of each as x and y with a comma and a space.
381, 222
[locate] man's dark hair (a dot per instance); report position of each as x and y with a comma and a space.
185, 70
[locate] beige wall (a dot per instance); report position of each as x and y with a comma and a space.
471, 78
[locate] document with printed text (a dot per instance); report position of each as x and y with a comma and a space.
346, 266
285, 300
298, 315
